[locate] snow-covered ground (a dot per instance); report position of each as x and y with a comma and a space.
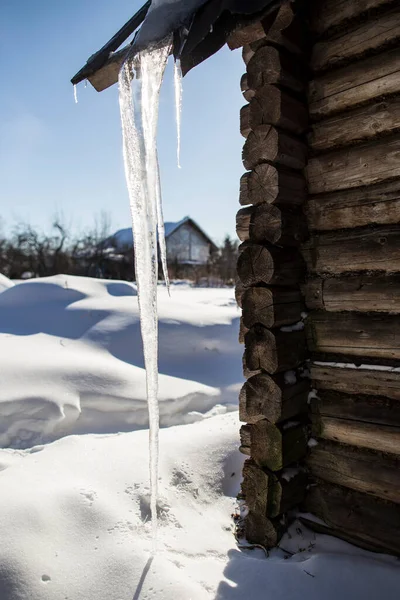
74, 513
71, 357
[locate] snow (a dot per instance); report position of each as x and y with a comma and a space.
295, 327
163, 17
75, 517
290, 377
76, 341
5, 283
339, 365
74, 523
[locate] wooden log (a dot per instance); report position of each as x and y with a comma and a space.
285, 491
268, 144
271, 307
245, 127
272, 448
384, 438
360, 40
268, 223
269, 265
270, 397
242, 331
272, 106
367, 164
108, 74
377, 410
255, 487
261, 530
353, 334
358, 125
363, 293
245, 35
372, 205
374, 473
284, 29
274, 352
358, 381
239, 291
248, 93
354, 85
327, 14
353, 251
369, 522
247, 373
272, 185
270, 66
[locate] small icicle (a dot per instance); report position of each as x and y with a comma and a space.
178, 106
75, 94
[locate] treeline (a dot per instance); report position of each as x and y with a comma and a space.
29, 253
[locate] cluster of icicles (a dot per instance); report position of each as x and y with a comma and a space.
140, 80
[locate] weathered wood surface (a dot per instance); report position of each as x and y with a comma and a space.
272, 185
352, 251
326, 14
372, 205
271, 66
108, 74
269, 397
384, 438
247, 372
367, 164
276, 351
245, 35
239, 291
354, 334
358, 125
356, 517
271, 307
261, 530
268, 223
272, 448
355, 84
255, 487
357, 381
285, 491
245, 127
272, 106
363, 293
374, 34
269, 265
284, 29
359, 469
358, 407
248, 93
269, 144
242, 331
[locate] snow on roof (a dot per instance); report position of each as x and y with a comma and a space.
123, 238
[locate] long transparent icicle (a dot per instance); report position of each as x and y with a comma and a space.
178, 107
139, 115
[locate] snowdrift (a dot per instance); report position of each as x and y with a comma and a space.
5, 283
71, 358
74, 523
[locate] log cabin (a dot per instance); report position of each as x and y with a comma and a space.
319, 263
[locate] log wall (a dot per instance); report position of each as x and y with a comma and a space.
319, 270
353, 265
271, 269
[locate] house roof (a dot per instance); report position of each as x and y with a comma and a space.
209, 29
124, 237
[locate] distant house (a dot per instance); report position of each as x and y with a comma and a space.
186, 243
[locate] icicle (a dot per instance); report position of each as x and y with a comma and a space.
139, 117
75, 94
178, 106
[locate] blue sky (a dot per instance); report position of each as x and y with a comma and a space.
57, 157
